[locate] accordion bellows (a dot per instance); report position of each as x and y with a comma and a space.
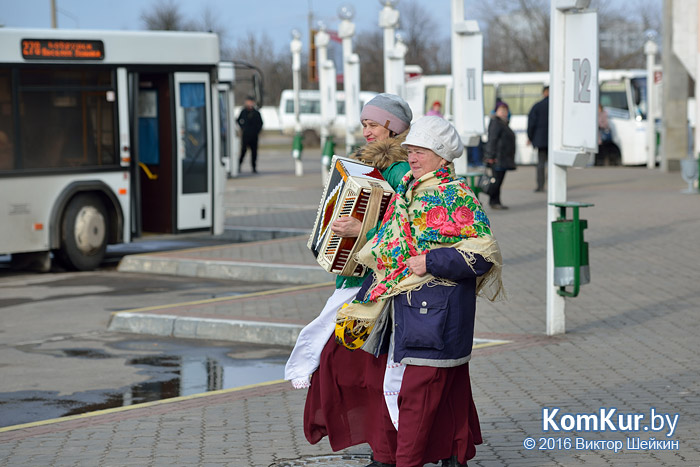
353, 189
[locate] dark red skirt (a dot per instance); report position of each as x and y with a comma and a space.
437, 415
346, 402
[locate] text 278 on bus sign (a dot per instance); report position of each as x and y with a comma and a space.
62, 49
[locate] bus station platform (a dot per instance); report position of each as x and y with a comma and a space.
630, 351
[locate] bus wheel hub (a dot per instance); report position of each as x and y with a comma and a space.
89, 230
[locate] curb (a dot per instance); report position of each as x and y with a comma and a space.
253, 332
218, 269
158, 321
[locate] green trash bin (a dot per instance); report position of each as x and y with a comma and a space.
567, 239
571, 267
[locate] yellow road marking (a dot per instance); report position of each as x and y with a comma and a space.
226, 298
135, 406
489, 344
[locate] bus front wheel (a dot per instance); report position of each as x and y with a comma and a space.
83, 233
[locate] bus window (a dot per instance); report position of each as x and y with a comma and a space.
432, 94
308, 106
7, 155
639, 92
223, 123
509, 93
194, 164
532, 94
66, 118
489, 98
613, 95
520, 97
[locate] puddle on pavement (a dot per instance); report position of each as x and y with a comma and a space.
181, 369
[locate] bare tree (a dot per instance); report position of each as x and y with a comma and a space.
166, 16
258, 51
517, 33
426, 45
370, 51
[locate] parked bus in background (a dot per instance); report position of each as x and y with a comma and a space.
622, 94
106, 136
310, 112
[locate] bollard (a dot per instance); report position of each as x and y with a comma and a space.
571, 266
327, 154
297, 148
297, 145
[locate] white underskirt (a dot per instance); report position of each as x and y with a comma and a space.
306, 354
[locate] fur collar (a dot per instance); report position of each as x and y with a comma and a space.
381, 154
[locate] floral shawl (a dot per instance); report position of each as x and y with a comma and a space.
434, 211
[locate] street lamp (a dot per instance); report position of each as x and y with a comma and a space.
388, 20
397, 64
651, 49
297, 145
327, 88
351, 78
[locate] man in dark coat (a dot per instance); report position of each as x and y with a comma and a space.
538, 134
251, 124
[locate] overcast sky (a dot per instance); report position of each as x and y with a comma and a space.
277, 18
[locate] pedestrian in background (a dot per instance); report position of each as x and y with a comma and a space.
499, 152
538, 134
251, 124
435, 110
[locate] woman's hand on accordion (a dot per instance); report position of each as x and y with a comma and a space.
347, 226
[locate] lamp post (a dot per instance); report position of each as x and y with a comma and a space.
388, 20
351, 76
327, 88
397, 65
651, 49
467, 77
297, 145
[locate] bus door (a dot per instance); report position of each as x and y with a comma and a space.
193, 159
230, 145
154, 153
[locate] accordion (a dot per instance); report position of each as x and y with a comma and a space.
353, 189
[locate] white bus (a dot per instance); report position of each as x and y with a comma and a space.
106, 136
622, 94
310, 111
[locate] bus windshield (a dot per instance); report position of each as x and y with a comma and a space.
613, 96
639, 94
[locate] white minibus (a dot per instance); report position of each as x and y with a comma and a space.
310, 111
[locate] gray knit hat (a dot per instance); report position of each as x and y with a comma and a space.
436, 134
390, 111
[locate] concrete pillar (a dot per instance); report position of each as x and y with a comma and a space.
674, 133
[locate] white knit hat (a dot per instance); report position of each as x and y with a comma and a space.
436, 134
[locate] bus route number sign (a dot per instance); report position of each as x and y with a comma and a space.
62, 49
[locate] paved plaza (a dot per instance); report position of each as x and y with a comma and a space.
630, 353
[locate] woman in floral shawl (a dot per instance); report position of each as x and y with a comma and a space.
432, 256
